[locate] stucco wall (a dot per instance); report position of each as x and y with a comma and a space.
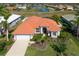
55, 36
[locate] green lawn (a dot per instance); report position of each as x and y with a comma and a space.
31, 51
72, 49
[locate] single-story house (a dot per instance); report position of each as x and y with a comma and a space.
36, 25
13, 19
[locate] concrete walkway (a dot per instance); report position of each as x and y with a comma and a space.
18, 48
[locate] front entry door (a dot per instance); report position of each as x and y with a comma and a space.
45, 30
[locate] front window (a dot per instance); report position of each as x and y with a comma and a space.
37, 29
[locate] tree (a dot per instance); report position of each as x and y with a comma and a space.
44, 37
6, 29
77, 12
60, 44
5, 12
76, 23
59, 48
2, 45
56, 18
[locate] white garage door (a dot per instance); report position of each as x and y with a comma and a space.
22, 37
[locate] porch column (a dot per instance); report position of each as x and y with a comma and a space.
41, 30
58, 33
0, 33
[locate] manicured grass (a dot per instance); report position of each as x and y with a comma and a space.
72, 48
31, 51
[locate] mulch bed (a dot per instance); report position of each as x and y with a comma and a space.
40, 46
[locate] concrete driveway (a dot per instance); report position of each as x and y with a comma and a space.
19, 48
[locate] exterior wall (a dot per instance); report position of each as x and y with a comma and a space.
41, 31
58, 33
21, 37
55, 36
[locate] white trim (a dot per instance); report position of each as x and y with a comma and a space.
21, 37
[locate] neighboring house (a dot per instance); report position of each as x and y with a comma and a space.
69, 17
69, 7
1, 28
21, 6
36, 25
13, 19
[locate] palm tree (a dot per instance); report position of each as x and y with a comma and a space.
6, 28
4, 12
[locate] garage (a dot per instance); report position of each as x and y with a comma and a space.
22, 37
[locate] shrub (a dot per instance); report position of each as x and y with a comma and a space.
37, 37
2, 45
10, 36
9, 42
1, 36
44, 38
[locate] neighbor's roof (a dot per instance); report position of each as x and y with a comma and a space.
69, 17
2, 19
29, 25
13, 17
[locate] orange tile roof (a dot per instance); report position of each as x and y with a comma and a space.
29, 25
